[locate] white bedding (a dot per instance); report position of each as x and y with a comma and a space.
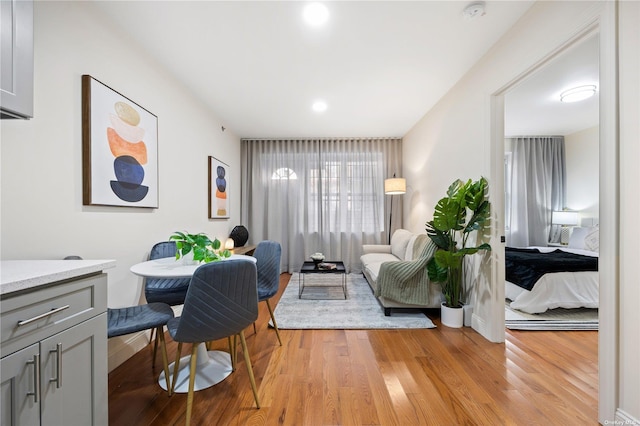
558, 290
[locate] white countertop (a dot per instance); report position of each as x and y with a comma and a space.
17, 275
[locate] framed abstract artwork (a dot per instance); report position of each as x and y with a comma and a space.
218, 189
119, 149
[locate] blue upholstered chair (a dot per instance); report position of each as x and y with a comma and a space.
166, 290
268, 254
133, 319
222, 300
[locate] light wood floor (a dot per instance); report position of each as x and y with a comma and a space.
437, 376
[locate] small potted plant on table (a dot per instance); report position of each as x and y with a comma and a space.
200, 246
463, 211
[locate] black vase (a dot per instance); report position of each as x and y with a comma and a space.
239, 235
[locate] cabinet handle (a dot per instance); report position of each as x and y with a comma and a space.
46, 314
58, 378
36, 377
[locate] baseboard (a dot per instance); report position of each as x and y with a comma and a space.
479, 325
124, 347
624, 418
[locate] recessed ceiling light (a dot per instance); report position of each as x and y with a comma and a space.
316, 14
319, 106
578, 93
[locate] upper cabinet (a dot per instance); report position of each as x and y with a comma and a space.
16, 59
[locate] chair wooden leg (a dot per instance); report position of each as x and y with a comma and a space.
247, 361
165, 360
155, 343
232, 354
176, 367
192, 381
151, 335
273, 318
254, 328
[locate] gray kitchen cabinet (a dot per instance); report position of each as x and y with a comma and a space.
20, 403
62, 328
16, 59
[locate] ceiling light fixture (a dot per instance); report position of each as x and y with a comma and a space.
319, 106
316, 14
578, 93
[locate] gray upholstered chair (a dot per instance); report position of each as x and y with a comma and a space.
268, 254
133, 319
222, 301
171, 291
166, 290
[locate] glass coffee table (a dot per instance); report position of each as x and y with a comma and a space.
312, 268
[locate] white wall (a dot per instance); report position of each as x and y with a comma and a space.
582, 163
454, 140
42, 212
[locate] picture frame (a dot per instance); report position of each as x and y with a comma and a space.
218, 182
119, 149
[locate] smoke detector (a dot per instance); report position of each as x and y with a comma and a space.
473, 11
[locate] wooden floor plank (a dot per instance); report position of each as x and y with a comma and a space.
378, 377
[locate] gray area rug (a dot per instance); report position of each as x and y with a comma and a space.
324, 306
553, 319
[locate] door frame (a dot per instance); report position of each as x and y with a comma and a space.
601, 20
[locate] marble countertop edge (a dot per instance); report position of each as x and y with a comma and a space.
19, 275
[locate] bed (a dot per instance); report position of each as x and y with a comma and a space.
569, 289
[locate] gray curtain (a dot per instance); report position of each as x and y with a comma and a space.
538, 187
319, 195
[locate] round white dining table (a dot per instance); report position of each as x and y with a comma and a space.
212, 366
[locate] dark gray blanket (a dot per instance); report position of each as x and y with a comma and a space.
524, 267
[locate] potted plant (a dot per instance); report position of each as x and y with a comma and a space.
201, 247
463, 211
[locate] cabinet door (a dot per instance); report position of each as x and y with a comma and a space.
18, 372
16, 58
74, 375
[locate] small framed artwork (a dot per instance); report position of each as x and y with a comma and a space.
218, 189
119, 149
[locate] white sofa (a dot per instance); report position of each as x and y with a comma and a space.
397, 272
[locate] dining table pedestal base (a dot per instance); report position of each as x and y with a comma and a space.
212, 367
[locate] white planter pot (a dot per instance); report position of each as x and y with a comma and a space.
451, 317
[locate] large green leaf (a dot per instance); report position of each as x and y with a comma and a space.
440, 238
479, 217
449, 215
436, 273
449, 259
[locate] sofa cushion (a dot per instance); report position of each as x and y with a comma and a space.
399, 241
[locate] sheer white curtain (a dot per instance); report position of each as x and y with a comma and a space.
318, 195
538, 188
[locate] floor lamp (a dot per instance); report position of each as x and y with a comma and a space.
394, 186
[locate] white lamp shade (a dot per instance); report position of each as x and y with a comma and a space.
565, 218
229, 244
395, 186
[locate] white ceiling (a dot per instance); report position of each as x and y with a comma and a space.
534, 107
379, 65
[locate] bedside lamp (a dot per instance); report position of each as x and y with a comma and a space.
566, 219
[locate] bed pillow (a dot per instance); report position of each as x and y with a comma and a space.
592, 240
578, 235
576, 240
